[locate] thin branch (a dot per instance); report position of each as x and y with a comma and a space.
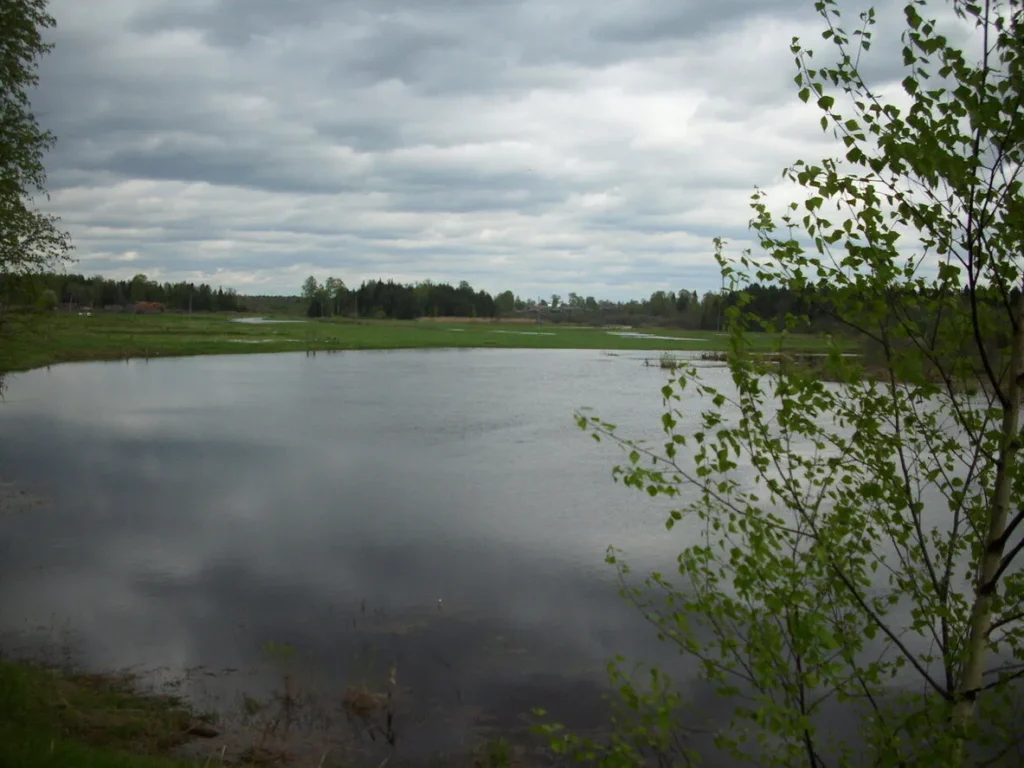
1010, 528
684, 475
876, 619
1003, 565
972, 256
915, 517
997, 683
1004, 620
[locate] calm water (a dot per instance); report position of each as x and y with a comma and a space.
197, 509
436, 512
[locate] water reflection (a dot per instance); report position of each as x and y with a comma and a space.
201, 508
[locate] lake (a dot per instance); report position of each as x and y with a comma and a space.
433, 511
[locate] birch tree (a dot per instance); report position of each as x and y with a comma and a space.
850, 528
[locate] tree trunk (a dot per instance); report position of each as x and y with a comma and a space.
984, 585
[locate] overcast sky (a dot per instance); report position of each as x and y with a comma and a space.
544, 146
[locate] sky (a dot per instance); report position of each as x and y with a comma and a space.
540, 146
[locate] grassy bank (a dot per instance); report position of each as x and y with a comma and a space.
57, 719
33, 341
48, 718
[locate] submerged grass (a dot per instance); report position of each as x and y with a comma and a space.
35, 340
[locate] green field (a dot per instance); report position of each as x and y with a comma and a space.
34, 341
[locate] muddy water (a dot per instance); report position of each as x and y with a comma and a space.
434, 516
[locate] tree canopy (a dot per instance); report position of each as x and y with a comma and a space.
98, 292
30, 240
849, 576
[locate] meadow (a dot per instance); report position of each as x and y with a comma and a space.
34, 341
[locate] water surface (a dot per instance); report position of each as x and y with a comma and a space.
436, 510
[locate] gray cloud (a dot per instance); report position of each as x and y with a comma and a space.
667, 20
539, 146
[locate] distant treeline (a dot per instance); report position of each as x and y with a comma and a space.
683, 309
380, 299
383, 299
51, 290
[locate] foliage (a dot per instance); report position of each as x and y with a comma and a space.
316, 307
496, 753
646, 722
427, 299
29, 238
390, 299
404, 302
851, 546
80, 291
48, 300
505, 303
331, 298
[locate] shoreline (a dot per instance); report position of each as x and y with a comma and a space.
56, 715
32, 342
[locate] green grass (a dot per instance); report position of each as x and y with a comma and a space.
48, 718
56, 719
33, 341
